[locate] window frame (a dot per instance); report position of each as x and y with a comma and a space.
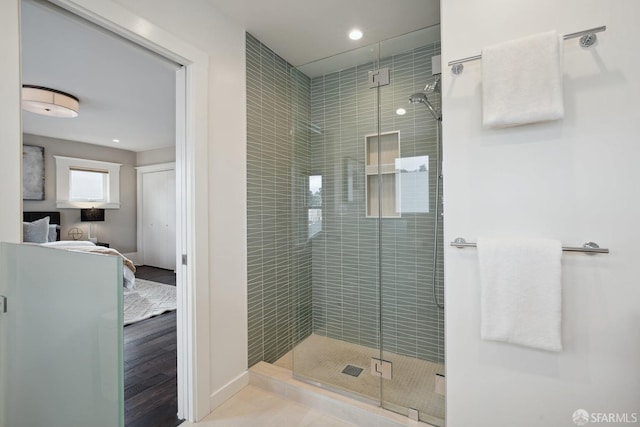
64, 165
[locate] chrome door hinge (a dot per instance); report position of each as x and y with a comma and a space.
184, 259
379, 77
413, 414
381, 367
3, 304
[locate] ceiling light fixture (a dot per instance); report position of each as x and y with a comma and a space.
355, 34
116, 140
401, 111
49, 102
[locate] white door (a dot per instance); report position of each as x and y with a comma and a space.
159, 218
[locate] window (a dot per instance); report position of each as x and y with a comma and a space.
315, 205
412, 186
82, 183
88, 186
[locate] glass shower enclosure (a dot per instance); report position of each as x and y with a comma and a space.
368, 316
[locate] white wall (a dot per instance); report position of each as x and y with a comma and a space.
200, 24
10, 127
574, 180
156, 157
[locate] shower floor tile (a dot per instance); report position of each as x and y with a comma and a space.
413, 385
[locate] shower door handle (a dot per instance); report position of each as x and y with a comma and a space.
3, 304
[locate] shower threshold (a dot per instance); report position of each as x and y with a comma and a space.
280, 381
320, 361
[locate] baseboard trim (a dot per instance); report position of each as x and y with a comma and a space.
227, 391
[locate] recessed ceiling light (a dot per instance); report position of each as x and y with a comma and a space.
355, 34
116, 140
401, 111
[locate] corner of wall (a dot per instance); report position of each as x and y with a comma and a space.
227, 391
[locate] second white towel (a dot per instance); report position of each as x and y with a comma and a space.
522, 81
520, 291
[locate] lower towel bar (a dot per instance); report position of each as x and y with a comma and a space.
589, 247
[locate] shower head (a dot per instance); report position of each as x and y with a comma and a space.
433, 87
421, 98
418, 98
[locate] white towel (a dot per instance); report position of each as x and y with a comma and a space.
520, 291
522, 81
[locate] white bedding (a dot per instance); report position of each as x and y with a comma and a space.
87, 246
129, 278
67, 243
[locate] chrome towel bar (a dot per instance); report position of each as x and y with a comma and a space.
587, 39
589, 247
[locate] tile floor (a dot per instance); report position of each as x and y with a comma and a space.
253, 407
322, 359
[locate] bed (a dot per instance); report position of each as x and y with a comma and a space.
53, 240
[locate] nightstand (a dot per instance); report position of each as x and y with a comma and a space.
106, 245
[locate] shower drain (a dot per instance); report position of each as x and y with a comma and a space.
354, 371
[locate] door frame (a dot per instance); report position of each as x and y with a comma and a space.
193, 329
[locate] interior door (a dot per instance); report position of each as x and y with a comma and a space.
61, 347
159, 218
154, 217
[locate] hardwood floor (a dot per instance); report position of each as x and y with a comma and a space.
160, 275
150, 380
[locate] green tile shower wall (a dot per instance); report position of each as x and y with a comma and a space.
278, 253
328, 285
345, 255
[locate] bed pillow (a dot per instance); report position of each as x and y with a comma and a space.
53, 232
36, 231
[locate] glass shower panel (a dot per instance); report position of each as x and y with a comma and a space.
369, 321
61, 352
412, 323
341, 238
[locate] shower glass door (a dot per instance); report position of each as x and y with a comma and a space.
365, 181
411, 263
337, 318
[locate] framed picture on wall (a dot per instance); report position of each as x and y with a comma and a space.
32, 172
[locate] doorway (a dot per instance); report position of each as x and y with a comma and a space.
113, 80
191, 137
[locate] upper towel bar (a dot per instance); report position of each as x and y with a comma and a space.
589, 247
587, 39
